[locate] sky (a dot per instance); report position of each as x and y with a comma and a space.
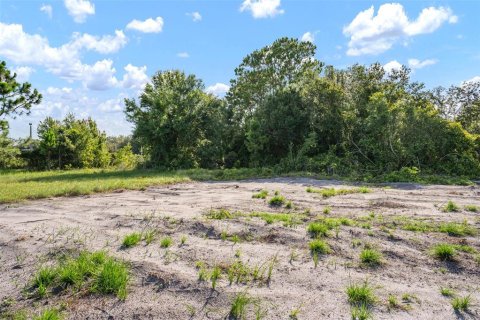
87, 56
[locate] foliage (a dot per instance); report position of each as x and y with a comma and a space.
124, 158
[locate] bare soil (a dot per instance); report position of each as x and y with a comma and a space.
164, 281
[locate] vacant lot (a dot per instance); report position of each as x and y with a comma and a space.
401, 252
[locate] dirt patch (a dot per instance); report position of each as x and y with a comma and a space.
165, 281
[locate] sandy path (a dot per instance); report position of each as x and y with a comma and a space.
164, 283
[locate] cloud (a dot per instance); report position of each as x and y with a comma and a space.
148, 26
183, 55
262, 8
79, 9
218, 89
64, 61
370, 34
105, 44
417, 64
47, 9
392, 65
23, 73
135, 77
111, 105
196, 16
308, 37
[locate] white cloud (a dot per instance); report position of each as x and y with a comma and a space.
135, 77
64, 61
79, 9
392, 65
308, 37
218, 89
262, 8
105, 44
183, 55
417, 64
23, 73
47, 9
370, 34
111, 105
148, 26
196, 16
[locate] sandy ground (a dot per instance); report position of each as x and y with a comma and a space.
164, 282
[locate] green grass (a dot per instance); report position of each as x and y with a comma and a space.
238, 309
457, 229
49, 314
260, 195
471, 208
331, 192
444, 251
215, 276
219, 214
131, 239
371, 257
361, 312
288, 219
447, 292
18, 185
322, 226
361, 294
461, 303
166, 242
149, 236
88, 271
277, 201
451, 207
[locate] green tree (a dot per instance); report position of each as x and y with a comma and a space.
179, 125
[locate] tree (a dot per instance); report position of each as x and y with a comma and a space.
179, 125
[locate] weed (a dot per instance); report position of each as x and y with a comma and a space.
447, 292
223, 235
238, 253
407, 298
215, 275
131, 239
371, 257
477, 259
444, 251
361, 294
465, 248
289, 205
451, 207
461, 303
327, 210
149, 236
294, 313
330, 192
457, 229
356, 242
316, 230
361, 312
392, 301
260, 195
202, 273
112, 278
238, 309
471, 208
235, 239
49, 314
277, 201
183, 240
318, 247
220, 214
166, 242
271, 265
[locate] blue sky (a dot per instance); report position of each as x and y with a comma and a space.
86, 56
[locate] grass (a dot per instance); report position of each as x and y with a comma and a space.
318, 247
457, 229
331, 192
131, 239
49, 314
392, 301
451, 207
371, 257
471, 208
215, 276
288, 219
361, 312
444, 251
166, 242
447, 292
361, 294
322, 226
277, 201
238, 309
220, 214
262, 194
149, 236
89, 271
461, 303
18, 185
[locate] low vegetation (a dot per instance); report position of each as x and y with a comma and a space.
331, 192
444, 251
361, 293
262, 194
131, 239
371, 257
94, 272
462, 303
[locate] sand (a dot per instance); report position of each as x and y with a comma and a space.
164, 282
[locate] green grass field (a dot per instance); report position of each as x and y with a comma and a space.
21, 185
18, 185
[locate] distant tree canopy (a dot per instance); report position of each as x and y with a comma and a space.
287, 110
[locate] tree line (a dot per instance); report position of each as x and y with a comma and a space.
288, 111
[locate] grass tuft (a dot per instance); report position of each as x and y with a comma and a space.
260, 195
461, 303
277, 201
444, 251
361, 294
371, 257
131, 239
451, 207
238, 309
166, 242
